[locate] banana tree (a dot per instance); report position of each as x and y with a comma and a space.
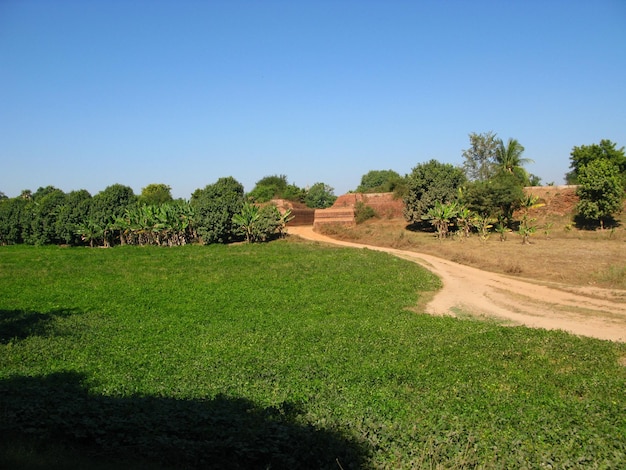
464, 220
246, 220
526, 225
90, 232
284, 219
440, 216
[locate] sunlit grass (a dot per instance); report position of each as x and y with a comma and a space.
285, 354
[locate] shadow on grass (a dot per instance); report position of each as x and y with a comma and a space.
20, 324
54, 422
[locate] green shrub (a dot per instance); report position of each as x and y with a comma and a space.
363, 212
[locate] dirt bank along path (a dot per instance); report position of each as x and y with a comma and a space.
597, 313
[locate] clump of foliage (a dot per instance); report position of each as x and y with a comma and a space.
156, 194
363, 212
496, 198
276, 187
600, 191
215, 206
171, 224
382, 181
430, 183
320, 196
487, 156
260, 223
441, 217
585, 154
527, 225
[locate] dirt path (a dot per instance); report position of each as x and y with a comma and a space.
596, 313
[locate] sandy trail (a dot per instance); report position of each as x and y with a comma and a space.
597, 313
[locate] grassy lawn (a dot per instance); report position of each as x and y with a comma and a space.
282, 355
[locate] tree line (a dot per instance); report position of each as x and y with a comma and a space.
485, 192
481, 195
219, 213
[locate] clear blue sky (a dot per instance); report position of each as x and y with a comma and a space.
99, 92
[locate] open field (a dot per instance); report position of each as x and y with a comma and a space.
287, 355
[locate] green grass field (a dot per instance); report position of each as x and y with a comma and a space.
282, 355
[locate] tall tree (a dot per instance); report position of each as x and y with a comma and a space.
320, 196
47, 204
215, 206
496, 198
429, 183
585, 154
276, 187
12, 220
509, 159
156, 193
111, 203
379, 181
480, 157
600, 191
71, 214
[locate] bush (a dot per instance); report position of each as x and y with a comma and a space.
363, 212
215, 206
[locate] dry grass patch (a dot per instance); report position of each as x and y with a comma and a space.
565, 255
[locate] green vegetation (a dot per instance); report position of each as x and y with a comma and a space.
156, 194
363, 212
320, 196
214, 207
586, 154
429, 183
259, 224
276, 187
601, 193
286, 355
382, 181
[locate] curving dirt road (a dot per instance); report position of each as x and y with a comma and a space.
597, 313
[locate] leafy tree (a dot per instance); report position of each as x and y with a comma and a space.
111, 203
71, 214
3, 196
271, 222
14, 214
585, 154
380, 181
215, 206
509, 159
496, 198
276, 187
47, 205
534, 180
600, 191
481, 156
156, 193
428, 184
320, 196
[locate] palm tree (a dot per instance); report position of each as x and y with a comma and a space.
509, 158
